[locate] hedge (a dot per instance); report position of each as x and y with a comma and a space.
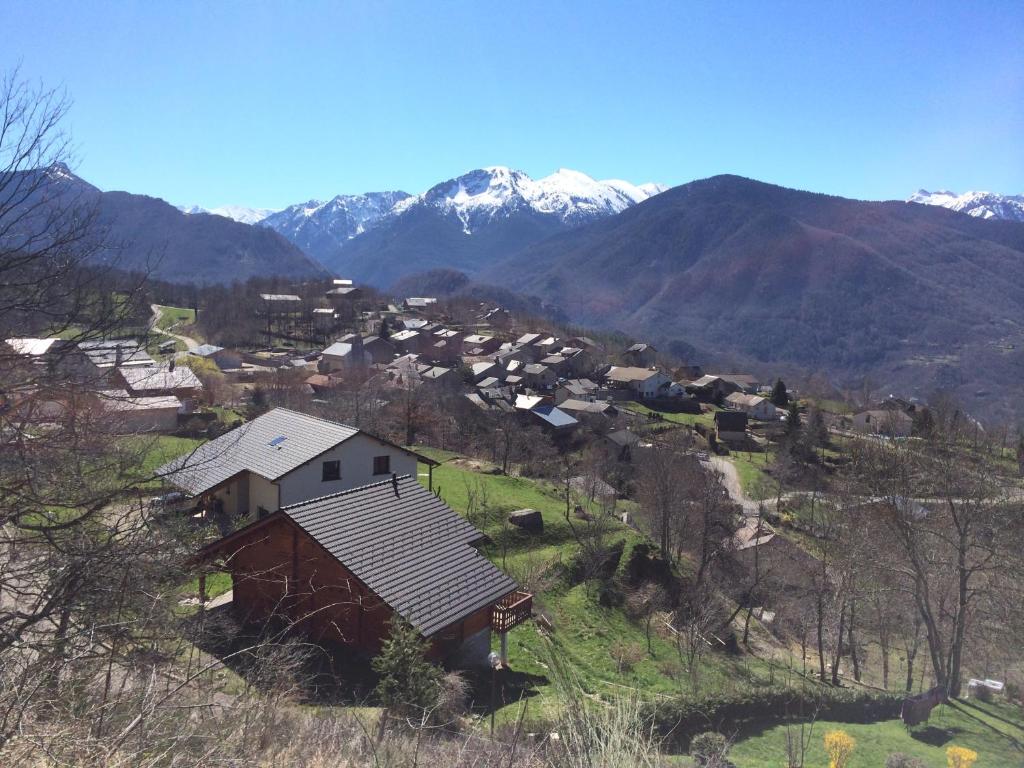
680, 720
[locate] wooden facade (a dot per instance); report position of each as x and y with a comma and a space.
278, 570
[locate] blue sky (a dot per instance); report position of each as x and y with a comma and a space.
268, 104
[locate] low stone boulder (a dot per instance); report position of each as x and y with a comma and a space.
528, 519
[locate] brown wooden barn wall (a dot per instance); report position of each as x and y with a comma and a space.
279, 569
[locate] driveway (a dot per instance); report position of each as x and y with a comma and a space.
190, 344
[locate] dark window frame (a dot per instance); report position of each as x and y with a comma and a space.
330, 471
386, 465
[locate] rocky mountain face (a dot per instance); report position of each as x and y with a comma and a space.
322, 229
983, 205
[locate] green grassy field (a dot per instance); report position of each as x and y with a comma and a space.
175, 316
750, 468
592, 638
691, 419
994, 731
155, 451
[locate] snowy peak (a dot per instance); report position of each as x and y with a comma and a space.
239, 213
321, 228
479, 196
983, 205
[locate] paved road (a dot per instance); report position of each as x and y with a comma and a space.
190, 343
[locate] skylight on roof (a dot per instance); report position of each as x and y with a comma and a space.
276, 442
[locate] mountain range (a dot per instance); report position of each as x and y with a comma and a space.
984, 205
380, 237
915, 297
146, 234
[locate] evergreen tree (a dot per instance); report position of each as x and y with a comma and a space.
408, 683
385, 332
779, 396
793, 424
816, 432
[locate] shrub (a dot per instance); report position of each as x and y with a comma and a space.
901, 760
960, 757
452, 698
839, 747
408, 683
709, 748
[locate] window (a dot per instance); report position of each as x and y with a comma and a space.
331, 471
382, 465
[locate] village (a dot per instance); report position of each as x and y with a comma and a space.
368, 464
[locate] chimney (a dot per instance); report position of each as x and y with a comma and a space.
394, 482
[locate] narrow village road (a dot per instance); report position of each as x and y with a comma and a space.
731, 481
190, 343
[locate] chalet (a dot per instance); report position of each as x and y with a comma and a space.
621, 444
754, 406
419, 303
553, 418
887, 422
151, 381
597, 408
539, 376
476, 344
284, 457
407, 341
342, 294
712, 388
347, 353
378, 350
488, 382
576, 389
341, 566
742, 381
128, 415
644, 383
323, 318
731, 426
104, 357
225, 359
640, 356
485, 370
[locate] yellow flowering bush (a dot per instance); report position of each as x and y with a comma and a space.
839, 746
960, 757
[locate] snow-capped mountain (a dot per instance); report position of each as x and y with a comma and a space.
984, 205
468, 222
322, 228
478, 197
239, 213
463, 222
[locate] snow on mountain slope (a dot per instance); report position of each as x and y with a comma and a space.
983, 205
321, 228
479, 196
239, 213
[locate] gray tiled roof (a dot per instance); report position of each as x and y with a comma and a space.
249, 448
409, 547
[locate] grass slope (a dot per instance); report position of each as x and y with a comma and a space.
994, 731
588, 636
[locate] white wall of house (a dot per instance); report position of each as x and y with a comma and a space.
262, 493
649, 387
356, 456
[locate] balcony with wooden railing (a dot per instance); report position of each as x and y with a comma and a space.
511, 611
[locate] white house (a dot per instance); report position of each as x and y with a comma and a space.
754, 406
284, 457
644, 382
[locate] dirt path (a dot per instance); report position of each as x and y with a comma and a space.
190, 343
731, 481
